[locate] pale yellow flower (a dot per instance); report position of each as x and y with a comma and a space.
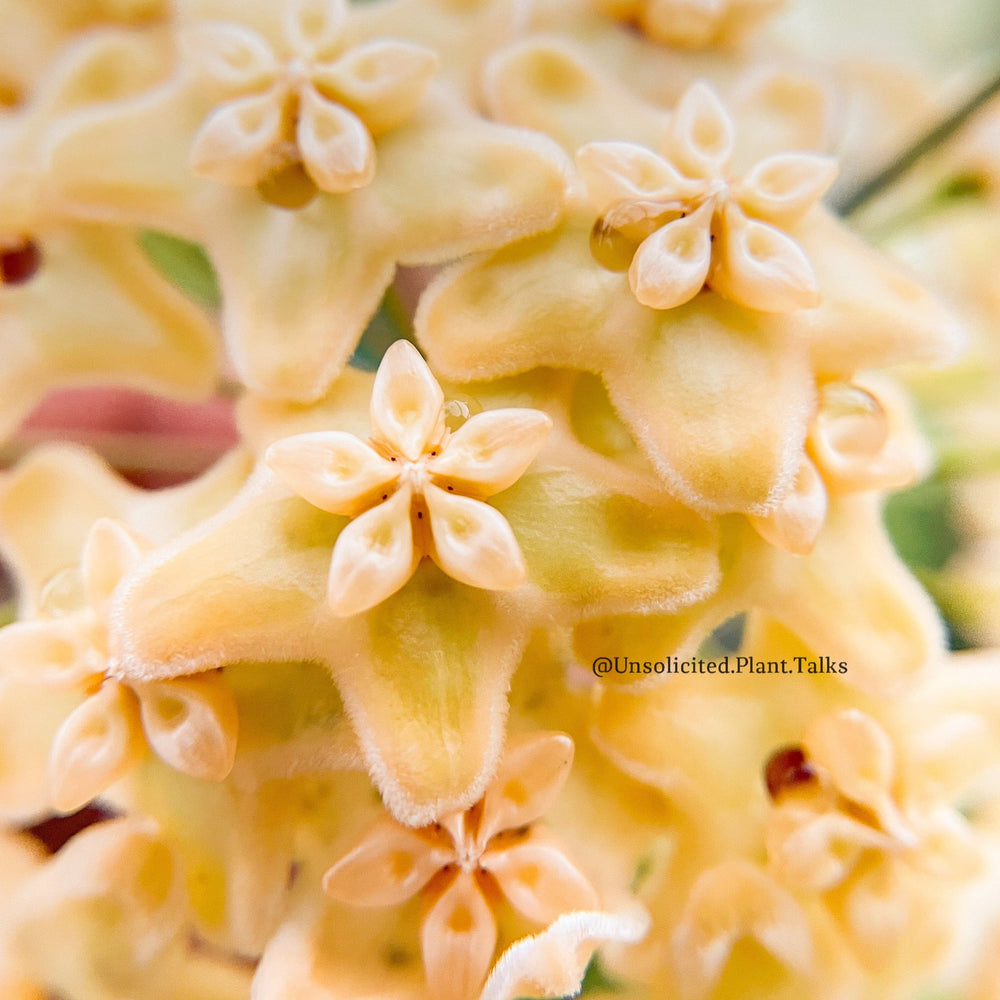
190, 722
466, 860
315, 105
694, 223
416, 489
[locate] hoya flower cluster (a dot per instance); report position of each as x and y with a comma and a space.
491, 598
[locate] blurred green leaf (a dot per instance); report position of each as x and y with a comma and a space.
387, 326
185, 264
921, 524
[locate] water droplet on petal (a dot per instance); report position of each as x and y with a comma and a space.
459, 409
850, 422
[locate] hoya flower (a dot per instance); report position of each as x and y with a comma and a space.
311, 107
190, 722
836, 797
416, 489
466, 860
302, 268
718, 395
694, 23
680, 220
79, 301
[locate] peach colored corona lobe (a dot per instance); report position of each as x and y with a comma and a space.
376, 373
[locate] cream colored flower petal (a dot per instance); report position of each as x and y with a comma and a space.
782, 188
230, 55
191, 723
245, 585
531, 775
406, 401
859, 757
538, 878
109, 907
313, 27
457, 938
373, 556
30, 717
761, 267
692, 23
473, 542
671, 265
615, 552
816, 851
795, 524
718, 403
236, 143
336, 148
389, 864
617, 171
732, 901
95, 747
491, 451
333, 470
49, 503
553, 963
381, 81
111, 551
424, 677
701, 135
48, 653
548, 86
886, 628
873, 314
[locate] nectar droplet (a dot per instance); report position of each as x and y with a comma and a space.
851, 422
787, 768
19, 262
616, 235
288, 187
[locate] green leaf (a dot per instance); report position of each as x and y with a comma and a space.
185, 264
387, 326
921, 523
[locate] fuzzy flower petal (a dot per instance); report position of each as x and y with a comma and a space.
388, 866
336, 147
492, 450
406, 401
671, 265
374, 556
473, 542
383, 81
95, 746
236, 143
191, 723
333, 470
457, 939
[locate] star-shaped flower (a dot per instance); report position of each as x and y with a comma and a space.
416, 489
302, 270
190, 722
718, 395
679, 221
466, 860
313, 106
694, 23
